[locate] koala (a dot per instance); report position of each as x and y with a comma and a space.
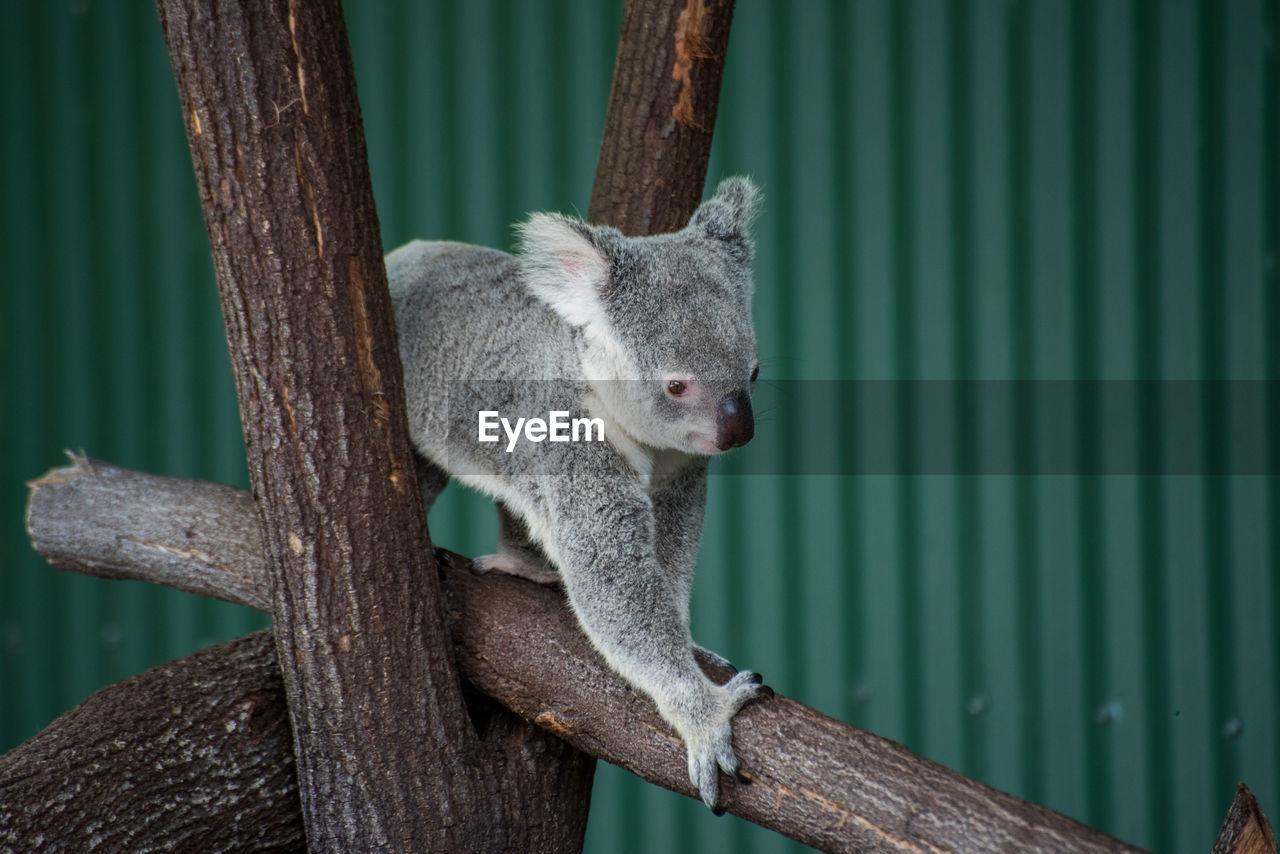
649, 342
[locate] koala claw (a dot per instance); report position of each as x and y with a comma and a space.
710, 743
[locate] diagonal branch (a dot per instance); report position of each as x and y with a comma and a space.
662, 111
816, 780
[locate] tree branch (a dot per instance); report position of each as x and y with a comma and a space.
662, 111
816, 779
1245, 830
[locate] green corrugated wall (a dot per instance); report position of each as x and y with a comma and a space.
973, 190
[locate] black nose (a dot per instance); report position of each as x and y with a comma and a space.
734, 424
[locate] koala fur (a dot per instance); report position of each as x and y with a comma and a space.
651, 335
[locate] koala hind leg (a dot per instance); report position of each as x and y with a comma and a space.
517, 554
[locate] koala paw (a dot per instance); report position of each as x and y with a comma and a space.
513, 565
708, 736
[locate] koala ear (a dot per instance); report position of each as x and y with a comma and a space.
566, 265
728, 215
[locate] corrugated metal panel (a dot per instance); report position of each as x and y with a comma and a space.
968, 190
111, 337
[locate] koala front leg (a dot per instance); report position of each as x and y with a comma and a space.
635, 614
679, 503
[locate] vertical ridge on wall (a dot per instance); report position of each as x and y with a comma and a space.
963, 356
22, 365
1147, 33
876, 697
559, 58
819, 592
933, 309
1269, 35
844, 252
507, 158
1091, 494
1216, 493
1026, 518
781, 322
1119, 703
905, 360
1002, 715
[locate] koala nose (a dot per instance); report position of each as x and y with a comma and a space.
734, 423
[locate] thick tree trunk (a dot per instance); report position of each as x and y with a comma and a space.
662, 110
815, 779
387, 756
197, 755
194, 755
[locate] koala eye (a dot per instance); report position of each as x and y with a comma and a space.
675, 388
755, 374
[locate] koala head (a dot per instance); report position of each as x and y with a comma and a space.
665, 320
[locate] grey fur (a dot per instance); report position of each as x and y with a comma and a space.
591, 322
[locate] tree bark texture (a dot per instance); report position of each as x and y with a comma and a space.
194, 755
387, 756
815, 779
1245, 830
662, 111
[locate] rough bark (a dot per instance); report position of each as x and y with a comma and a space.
815, 779
1245, 830
387, 756
196, 755
163, 761
662, 111
204, 538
